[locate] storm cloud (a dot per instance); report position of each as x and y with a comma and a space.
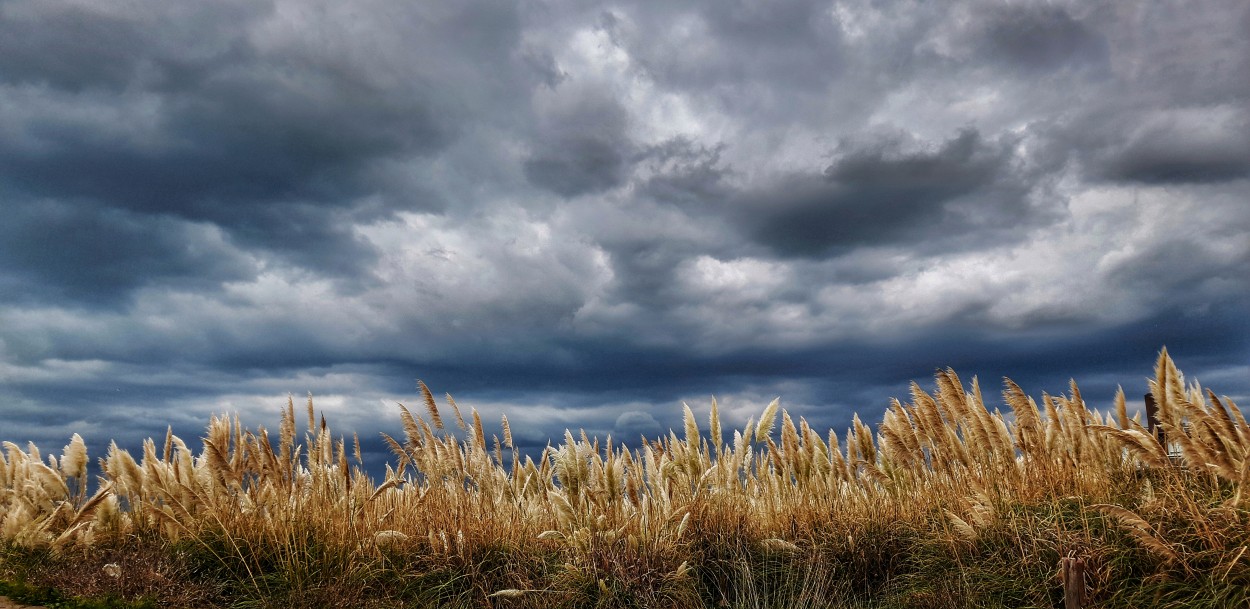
584, 214
879, 192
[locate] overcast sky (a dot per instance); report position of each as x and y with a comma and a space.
584, 213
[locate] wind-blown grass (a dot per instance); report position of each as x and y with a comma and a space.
946, 504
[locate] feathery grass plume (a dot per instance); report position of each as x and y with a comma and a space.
1168, 386
389, 538
412, 432
714, 427
930, 416
1144, 445
455, 410
15, 522
238, 451
430, 406
818, 454
779, 545
975, 441
1071, 414
767, 419
510, 593
49, 481
951, 395
1233, 437
218, 462
681, 527
748, 432
169, 443
863, 439
893, 447
789, 434
692, 426
479, 434
853, 454
1052, 425
1206, 430
1243, 485
507, 431
260, 453
74, 463
344, 470
89, 508
837, 462
1176, 414
962, 529
562, 509
1002, 438
1243, 429
1139, 529
991, 444
286, 432
396, 449
122, 467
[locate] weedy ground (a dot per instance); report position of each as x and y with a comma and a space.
946, 505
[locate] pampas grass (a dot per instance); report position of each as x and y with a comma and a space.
947, 503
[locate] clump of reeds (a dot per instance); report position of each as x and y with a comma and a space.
946, 503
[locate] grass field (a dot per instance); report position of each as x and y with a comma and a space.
948, 503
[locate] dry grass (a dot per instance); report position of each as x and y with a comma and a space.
947, 504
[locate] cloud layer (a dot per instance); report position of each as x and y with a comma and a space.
583, 214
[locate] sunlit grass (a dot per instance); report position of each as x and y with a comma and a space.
945, 504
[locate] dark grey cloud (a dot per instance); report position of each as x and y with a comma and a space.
878, 192
583, 145
237, 116
57, 250
1171, 109
1039, 38
234, 137
1190, 270
782, 62
79, 47
684, 172
583, 215
1180, 149
577, 166
710, 46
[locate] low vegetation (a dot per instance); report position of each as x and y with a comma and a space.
946, 504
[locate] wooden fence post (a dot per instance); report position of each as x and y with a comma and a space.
1072, 570
1152, 419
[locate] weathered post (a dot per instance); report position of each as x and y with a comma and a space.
1152, 419
1072, 571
